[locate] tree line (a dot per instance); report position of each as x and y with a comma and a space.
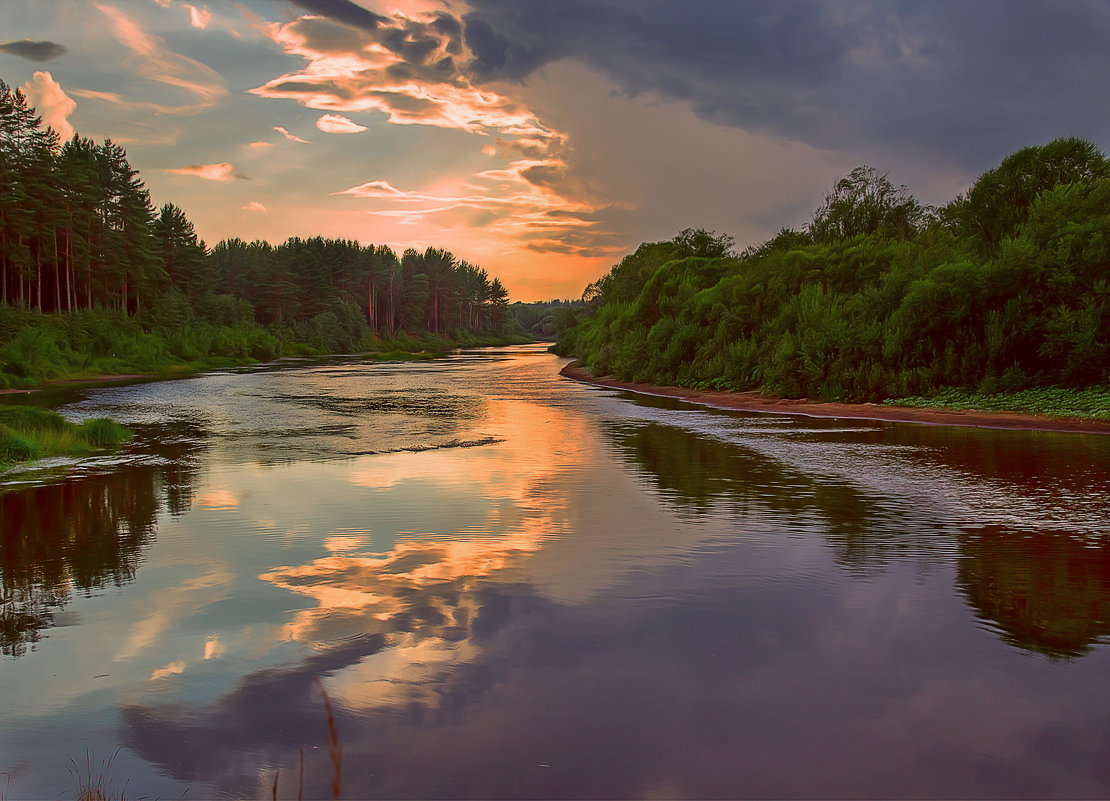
1004, 288
78, 232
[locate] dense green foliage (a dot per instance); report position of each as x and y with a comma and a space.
542, 319
80, 239
1006, 288
1092, 403
37, 348
27, 432
311, 285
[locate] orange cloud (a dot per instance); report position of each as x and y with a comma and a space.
415, 83
261, 144
51, 102
335, 123
414, 72
172, 669
217, 498
213, 648
210, 172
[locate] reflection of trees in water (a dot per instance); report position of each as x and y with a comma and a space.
81, 534
1048, 593
697, 473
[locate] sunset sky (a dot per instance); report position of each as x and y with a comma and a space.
544, 140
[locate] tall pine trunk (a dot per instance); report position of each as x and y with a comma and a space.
57, 276
69, 298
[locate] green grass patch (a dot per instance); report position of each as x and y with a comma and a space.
1092, 403
40, 349
27, 432
14, 447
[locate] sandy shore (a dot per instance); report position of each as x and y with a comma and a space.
753, 402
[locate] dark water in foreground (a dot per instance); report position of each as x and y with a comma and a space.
513, 585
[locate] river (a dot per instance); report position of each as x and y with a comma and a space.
509, 584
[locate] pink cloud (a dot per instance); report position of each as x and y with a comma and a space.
211, 172
199, 17
291, 137
150, 108
51, 102
156, 62
260, 145
254, 205
336, 123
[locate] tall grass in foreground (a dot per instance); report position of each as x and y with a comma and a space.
27, 433
93, 782
335, 754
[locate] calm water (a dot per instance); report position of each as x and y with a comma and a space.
512, 585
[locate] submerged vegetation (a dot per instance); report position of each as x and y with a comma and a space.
94, 280
1006, 289
28, 433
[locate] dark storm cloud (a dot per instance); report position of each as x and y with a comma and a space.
410, 45
34, 51
963, 81
343, 11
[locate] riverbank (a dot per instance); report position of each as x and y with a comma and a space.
754, 402
28, 433
423, 347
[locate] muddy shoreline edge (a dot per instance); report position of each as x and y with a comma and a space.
754, 402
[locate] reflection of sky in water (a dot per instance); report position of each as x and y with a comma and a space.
604, 599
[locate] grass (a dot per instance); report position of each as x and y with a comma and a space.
27, 432
335, 753
1092, 403
93, 782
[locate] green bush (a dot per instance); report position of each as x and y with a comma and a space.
102, 432
864, 312
14, 447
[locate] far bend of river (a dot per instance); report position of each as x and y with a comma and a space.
513, 585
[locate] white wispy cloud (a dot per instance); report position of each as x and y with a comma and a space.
337, 123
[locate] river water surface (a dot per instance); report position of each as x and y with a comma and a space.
512, 585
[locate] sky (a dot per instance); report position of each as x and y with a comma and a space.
543, 140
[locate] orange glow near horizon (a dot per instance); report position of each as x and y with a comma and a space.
529, 222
